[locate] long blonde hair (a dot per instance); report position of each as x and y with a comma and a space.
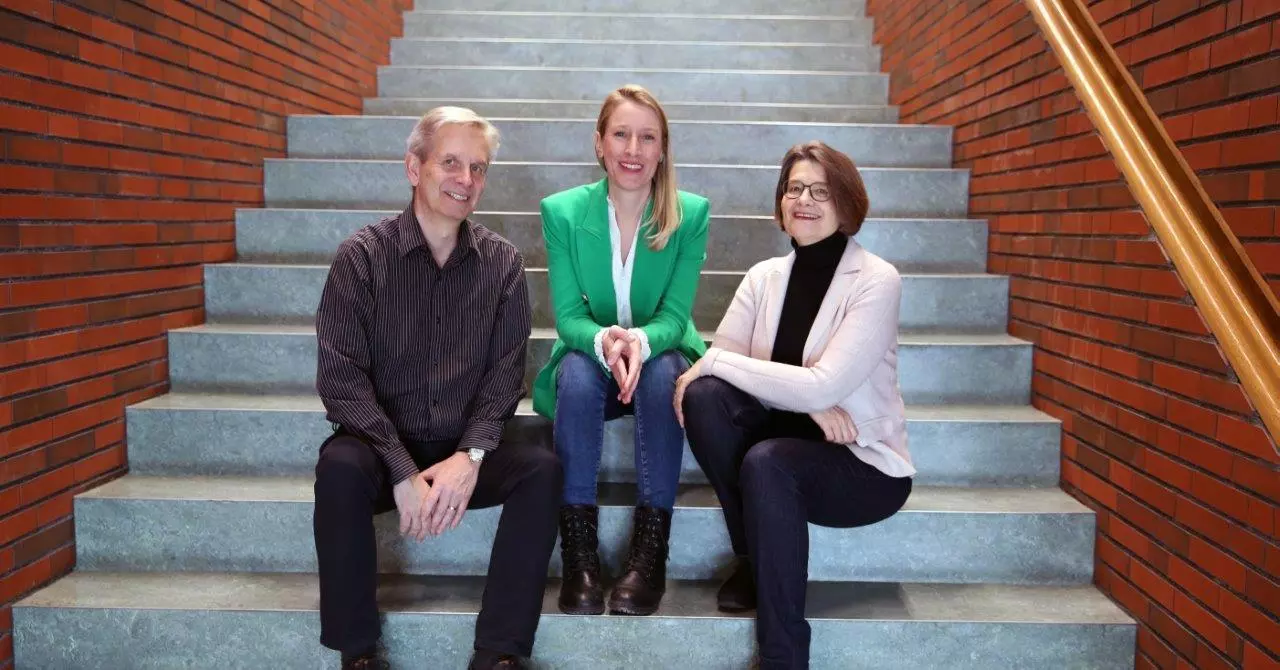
666, 215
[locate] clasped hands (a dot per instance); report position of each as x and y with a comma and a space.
435, 499
622, 353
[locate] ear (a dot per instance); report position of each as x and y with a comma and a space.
599, 144
412, 169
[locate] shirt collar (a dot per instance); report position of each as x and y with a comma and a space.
411, 237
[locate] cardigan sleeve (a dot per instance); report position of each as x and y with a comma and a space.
666, 329
867, 330
734, 332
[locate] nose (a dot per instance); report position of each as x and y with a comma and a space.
467, 178
633, 144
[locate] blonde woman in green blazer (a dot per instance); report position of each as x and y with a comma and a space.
624, 255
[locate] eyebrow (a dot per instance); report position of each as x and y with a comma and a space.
459, 159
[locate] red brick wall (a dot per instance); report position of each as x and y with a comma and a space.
1158, 435
130, 131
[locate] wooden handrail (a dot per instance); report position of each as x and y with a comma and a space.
1237, 306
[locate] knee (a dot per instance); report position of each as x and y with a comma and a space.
659, 374
703, 394
542, 468
580, 376
765, 466
346, 467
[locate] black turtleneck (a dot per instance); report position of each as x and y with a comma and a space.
810, 278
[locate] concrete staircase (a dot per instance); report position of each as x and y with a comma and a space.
203, 556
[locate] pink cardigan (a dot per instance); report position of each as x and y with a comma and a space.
850, 356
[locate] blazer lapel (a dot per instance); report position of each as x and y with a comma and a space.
828, 316
595, 257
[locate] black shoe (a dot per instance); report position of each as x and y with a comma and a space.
488, 661
640, 589
370, 662
738, 592
581, 588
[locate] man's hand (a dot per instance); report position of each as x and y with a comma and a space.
453, 480
836, 425
411, 496
682, 382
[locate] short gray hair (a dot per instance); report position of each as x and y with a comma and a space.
419, 142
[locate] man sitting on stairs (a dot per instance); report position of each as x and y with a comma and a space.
422, 331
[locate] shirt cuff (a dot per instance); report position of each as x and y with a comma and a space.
399, 463
600, 351
481, 435
645, 351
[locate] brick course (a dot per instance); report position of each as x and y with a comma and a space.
130, 131
1159, 437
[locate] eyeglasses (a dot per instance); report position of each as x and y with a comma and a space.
817, 190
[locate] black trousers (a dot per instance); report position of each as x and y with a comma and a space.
353, 484
770, 488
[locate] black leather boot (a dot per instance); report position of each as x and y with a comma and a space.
639, 590
582, 590
738, 592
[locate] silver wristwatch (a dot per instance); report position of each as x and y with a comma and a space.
476, 455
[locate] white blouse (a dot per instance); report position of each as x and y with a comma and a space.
622, 270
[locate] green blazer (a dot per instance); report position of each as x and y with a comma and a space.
575, 227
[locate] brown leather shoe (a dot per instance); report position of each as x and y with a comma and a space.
371, 662
487, 661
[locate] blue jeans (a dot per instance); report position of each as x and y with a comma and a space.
586, 397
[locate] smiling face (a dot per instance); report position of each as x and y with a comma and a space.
804, 218
449, 181
630, 147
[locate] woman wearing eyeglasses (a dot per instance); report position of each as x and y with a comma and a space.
794, 413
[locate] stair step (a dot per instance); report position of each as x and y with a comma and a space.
941, 535
520, 186
796, 7
289, 294
993, 369
543, 52
311, 236
120, 618
680, 27
565, 140
594, 83
256, 435
688, 111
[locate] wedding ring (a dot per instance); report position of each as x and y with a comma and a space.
453, 508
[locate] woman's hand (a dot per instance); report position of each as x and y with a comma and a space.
836, 425
615, 345
622, 353
682, 382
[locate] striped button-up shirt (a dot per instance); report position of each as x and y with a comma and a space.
410, 351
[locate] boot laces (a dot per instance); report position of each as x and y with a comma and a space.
580, 535
648, 547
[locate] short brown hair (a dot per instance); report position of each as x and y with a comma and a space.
848, 194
